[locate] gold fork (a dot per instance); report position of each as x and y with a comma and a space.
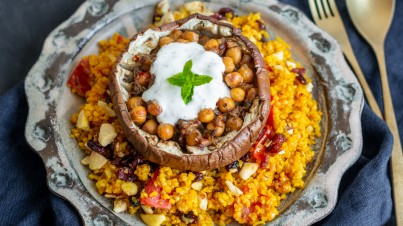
327, 17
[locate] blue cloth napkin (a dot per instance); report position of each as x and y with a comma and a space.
365, 196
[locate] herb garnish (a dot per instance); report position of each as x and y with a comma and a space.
187, 80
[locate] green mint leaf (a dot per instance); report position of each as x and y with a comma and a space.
177, 80
187, 68
187, 80
187, 92
201, 80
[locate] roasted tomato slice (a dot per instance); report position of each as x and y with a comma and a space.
154, 198
258, 149
80, 78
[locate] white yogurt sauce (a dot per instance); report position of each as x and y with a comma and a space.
170, 61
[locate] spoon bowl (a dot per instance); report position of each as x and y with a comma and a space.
372, 18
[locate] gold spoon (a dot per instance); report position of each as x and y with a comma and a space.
372, 18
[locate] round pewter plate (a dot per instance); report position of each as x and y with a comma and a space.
51, 103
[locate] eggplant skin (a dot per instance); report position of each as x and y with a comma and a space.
168, 153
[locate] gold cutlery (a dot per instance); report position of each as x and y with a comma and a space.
372, 18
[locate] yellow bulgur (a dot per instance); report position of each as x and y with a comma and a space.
295, 114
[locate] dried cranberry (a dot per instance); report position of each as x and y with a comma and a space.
199, 176
106, 151
108, 98
246, 157
261, 25
276, 143
190, 218
130, 161
300, 74
126, 174
218, 190
233, 166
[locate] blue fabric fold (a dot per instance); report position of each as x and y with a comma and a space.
24, 196
365, 195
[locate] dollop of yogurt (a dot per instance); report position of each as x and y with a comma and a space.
170, 61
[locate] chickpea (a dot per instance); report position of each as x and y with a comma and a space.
154, 108
203, 40
139, 114
210, 126
165, 131
135, 101
238, 94
234, 123
225, 104
164, 41
252, 93
193, 139
246, 59
218, 126
235, 53
229, 64
212, 45
175, 34
190, 36
146, 62
150, 127
206, 115
181, 40
143, 78
233, 79
247, 73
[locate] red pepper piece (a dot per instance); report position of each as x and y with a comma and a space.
80, 78
156, 201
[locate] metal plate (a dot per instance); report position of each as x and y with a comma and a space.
51, 103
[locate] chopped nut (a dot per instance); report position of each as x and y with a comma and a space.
119, 206
291, 64
194, 7
279, 55
147, 209
82, 121
309, 129
86, 160
106, 134
96, 161
111, 113
166, 18
153, 219
309, 87
248, 170
162, 8
203, 202
129, 188
234, 189
197, 185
